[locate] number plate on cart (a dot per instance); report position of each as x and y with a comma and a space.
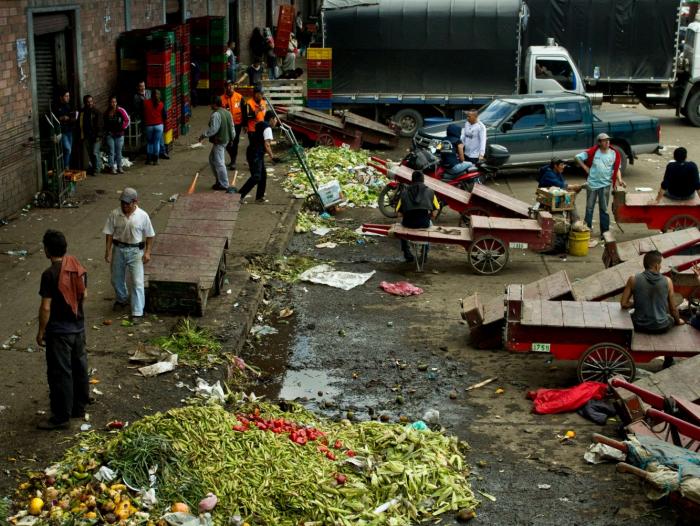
540, 347
514, 244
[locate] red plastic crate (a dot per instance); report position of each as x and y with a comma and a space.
158, 57
158, 78
319, 65
319, 94
319, 75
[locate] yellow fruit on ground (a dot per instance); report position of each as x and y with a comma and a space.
570, 434
180, 506
91, 515
35, 506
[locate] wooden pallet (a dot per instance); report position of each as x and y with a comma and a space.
284, 92
188, 261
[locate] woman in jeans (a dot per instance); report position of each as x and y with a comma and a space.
153, 118
116, 121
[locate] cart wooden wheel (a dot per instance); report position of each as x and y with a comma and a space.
325, 140
603, 361
680, 222
488, 255
464, 220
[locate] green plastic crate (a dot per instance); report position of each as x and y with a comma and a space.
319, 84
199, 40
217, 24
218, 59
204, 67
217, 75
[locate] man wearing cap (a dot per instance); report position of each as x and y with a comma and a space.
220, 133
260, 144
602, 166
233, 102
552, 174
255, 110
128, 240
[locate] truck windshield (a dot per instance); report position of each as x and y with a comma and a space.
495, 112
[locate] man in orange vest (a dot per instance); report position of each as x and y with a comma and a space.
255, 110
233, 102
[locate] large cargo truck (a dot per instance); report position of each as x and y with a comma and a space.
408, 59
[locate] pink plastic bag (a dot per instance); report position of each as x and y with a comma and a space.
400, 288
551, 401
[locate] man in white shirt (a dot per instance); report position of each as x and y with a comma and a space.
474, 138
128, 240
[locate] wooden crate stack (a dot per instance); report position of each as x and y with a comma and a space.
319, 86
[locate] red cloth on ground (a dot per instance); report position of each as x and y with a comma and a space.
71, 282
401, 288
551, 401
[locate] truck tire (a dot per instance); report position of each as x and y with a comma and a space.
409, 121
692, 109
623, 158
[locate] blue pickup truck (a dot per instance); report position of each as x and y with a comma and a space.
536, 128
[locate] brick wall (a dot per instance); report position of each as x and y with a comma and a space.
100, 23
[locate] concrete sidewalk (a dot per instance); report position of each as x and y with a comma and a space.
261, 228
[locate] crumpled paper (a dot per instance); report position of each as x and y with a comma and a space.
160, 367
327, 275
212, 392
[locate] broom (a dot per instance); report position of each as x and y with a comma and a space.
190, 190
231, 188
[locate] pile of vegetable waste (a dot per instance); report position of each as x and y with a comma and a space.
360, 184
194, 345
260, 464
287, 269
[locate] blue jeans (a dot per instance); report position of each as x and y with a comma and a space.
94, 151
114, 150
217, 163
67, 145
154, 134
457, 169
129, 259
603, 197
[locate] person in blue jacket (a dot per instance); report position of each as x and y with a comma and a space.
552, 174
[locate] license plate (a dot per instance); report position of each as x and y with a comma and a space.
540, 347
518, 245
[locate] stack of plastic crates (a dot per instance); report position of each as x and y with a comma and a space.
183, 62
160, 75
208, 39
319, 84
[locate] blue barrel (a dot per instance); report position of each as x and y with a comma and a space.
431, 121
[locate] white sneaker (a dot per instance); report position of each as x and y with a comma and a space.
593, 243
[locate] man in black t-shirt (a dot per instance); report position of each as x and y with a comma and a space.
62, 331
681, 180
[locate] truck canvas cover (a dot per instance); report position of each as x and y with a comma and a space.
627, 39
397, 47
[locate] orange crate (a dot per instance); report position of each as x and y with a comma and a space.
74, 175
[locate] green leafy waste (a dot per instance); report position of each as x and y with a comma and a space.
267, 478
194, 345
360, 184
287, 269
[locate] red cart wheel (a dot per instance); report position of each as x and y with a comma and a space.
488, 255
603, 361
464, 216
680, 223
325, 140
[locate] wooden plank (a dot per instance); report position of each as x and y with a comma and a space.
642, 342
202, 283
495, 197
572, 312
184, 244
552, 315
620, 318
494, 310
595, 316
531, 313
209, 215
212, 200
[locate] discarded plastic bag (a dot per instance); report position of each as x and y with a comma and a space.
161, 367
599, 453
212, 392
105, 474
262, 330
551, 401
400, 288
327, 275
180, 518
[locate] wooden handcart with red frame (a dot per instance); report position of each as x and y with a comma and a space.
481, 201
598, 335
666, 215
668, 244
487, 240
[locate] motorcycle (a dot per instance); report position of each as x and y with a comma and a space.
428, 161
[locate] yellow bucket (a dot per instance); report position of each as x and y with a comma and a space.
578, 243
168, 137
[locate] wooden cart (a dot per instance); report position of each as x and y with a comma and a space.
189, 258
599, 335
346, 128
666, 215
487, 240
668, 244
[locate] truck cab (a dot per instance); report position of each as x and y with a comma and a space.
549, 69
689, 65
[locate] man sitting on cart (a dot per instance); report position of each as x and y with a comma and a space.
650, 293
681, 180
417, 207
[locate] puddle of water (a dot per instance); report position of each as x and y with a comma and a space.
308, 383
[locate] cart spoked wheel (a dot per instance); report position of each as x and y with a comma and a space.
680, 222
488, 255
464, 220
603, 361
46, 199
388, 199
325, 140
313, 204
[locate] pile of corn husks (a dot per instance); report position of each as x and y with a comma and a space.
360, 184
265, 465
